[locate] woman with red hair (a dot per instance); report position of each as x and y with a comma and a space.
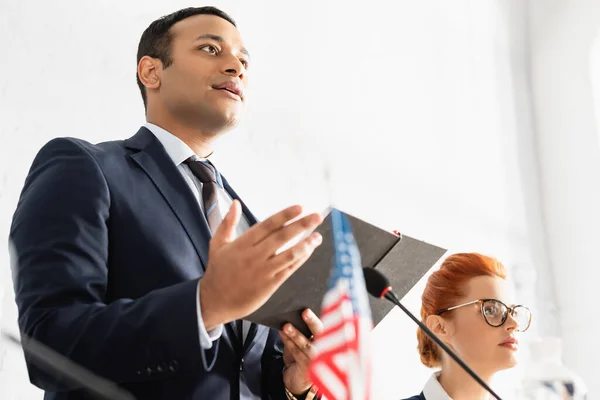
466, 303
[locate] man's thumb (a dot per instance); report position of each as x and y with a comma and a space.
225, 231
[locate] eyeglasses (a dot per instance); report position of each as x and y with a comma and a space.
496, 312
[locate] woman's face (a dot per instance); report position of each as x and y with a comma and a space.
486, 348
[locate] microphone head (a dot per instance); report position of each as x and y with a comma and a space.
377, 284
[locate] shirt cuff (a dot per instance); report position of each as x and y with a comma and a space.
206, 338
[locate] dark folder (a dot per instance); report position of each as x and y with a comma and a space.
402, 259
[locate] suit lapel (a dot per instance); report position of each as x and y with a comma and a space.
249, 216
157, 164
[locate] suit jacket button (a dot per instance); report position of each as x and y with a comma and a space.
159, 369
148, 371
173, 366
241, 364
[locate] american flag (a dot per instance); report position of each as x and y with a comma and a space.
342, 368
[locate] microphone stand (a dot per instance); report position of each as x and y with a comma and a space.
60, 366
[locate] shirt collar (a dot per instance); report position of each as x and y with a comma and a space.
176, 148
433, 390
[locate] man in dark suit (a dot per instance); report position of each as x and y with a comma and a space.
137, 260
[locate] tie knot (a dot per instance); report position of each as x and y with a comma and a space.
203, 170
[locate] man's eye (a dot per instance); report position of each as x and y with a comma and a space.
245, 63
209, 49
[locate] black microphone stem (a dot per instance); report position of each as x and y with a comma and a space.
56, 364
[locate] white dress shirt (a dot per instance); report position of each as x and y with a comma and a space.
178, 151
433, 390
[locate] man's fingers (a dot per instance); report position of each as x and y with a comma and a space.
313, 322
287, 262
302, 349
258, 232
225, 231
291, 348
277, 239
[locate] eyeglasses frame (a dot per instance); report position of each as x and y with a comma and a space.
510, 310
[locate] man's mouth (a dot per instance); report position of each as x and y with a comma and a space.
231, 87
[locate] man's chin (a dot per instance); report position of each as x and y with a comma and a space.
218, 121
229, 114
228, 124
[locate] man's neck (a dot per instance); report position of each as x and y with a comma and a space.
461, 386
201, 142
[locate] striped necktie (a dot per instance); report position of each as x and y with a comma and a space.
205, 172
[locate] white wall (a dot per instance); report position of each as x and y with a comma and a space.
420, 102
562, 35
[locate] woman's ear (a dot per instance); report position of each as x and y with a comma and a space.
440, 326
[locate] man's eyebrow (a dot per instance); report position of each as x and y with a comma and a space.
219, 39
216, 38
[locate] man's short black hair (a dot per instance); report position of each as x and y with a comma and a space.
156, 39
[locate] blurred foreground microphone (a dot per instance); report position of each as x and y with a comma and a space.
61, 367
379, 286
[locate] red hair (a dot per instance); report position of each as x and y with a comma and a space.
445, 287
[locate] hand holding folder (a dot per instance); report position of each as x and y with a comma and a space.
403, 259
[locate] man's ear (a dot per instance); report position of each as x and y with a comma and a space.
149, 72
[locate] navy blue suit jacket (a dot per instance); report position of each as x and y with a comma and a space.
109, 246
417, 397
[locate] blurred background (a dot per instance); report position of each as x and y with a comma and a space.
473, 124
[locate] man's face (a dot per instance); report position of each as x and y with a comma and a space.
206, 81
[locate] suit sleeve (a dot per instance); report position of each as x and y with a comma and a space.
206, 338
60, 244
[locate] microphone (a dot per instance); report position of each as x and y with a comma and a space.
60, 366
379, 286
